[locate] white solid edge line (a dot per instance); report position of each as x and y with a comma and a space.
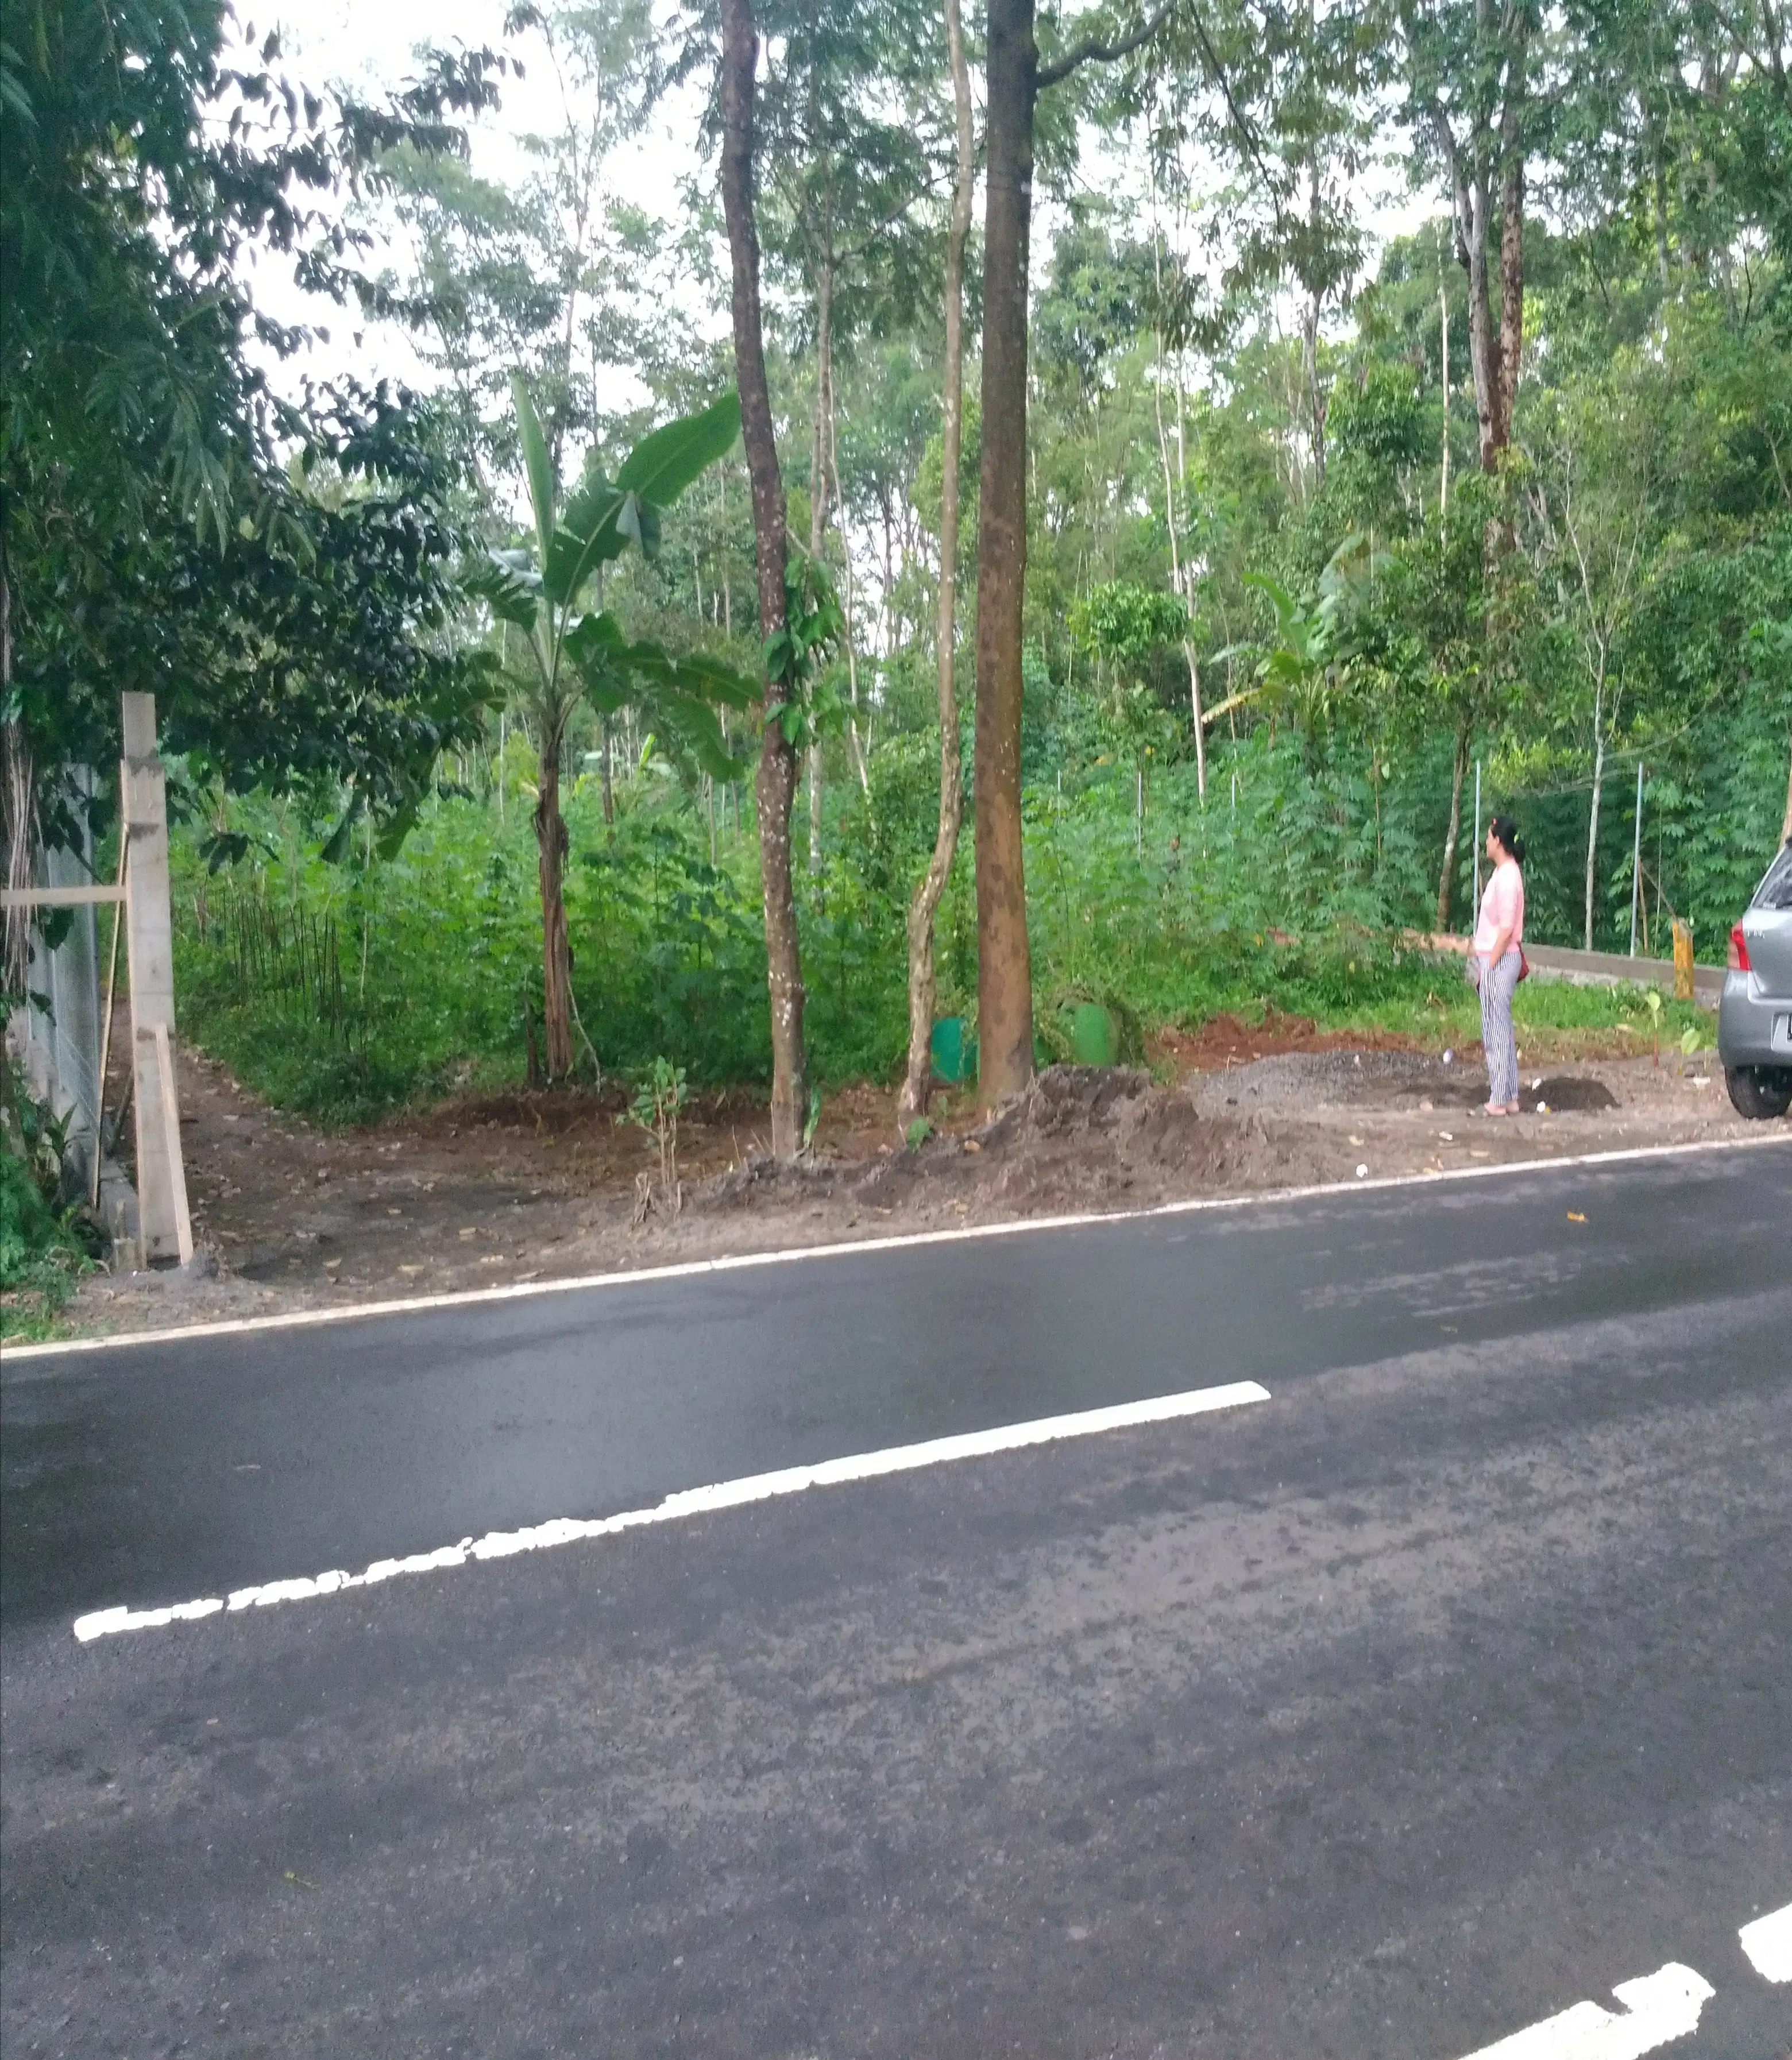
1768, 1943
693, 1502
1659, 2008
468, 1298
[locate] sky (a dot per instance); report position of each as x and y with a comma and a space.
369, 44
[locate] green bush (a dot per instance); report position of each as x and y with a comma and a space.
42, 1251
346, 990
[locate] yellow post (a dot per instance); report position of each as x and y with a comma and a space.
1683, 959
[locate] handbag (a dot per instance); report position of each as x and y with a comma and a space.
1471, 968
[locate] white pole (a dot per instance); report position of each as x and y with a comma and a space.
1477, 840
1636, 859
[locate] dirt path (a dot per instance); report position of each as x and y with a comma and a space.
523, 1188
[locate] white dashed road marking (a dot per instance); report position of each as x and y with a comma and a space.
1659, 2009
695, 1502
1768, 1943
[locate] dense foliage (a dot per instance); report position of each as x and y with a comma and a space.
279, 575
327, 984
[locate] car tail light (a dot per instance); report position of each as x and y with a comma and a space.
1739, 950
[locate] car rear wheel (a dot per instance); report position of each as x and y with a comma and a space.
1760, 1091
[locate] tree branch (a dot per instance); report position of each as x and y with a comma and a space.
1093, 51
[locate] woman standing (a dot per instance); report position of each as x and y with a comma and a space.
1498, 933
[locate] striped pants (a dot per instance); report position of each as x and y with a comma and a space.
1497, 1038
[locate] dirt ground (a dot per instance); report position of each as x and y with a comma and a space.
523, 1187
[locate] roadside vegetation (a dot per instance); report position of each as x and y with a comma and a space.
45, 1242
343, 991
666, 686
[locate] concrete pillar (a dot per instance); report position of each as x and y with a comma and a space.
164, 1226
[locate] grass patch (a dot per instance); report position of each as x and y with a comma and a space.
1559, 1019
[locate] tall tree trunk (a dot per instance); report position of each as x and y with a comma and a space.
1310, 341
846, 592
1465, 160
1511, 241
1658, 199
1447, 880
1484, 152
556, 956
1187, 597
818, 498
1004, 968
922, 987
728, 570
1444, 332
1471, 214
858, 743
1593, 818
1786, 821
776, 785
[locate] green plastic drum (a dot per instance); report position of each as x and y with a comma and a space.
1095, 1036
955, 1054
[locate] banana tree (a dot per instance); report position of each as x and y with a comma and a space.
576, 654
1302, 672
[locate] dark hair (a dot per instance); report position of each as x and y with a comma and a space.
1508, 832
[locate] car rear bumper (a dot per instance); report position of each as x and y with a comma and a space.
1753, 1028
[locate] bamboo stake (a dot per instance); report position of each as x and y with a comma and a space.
105, 1028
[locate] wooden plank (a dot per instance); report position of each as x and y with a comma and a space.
171, 1119
57, 897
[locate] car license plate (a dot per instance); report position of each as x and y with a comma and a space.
1780, 1039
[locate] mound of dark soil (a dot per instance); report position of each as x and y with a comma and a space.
1079, 1137
1568, 1091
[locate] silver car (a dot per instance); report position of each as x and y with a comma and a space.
1754, 1017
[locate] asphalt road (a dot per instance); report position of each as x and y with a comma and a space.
1447, 1689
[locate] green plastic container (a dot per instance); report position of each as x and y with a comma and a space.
1095, 1036
955, 1054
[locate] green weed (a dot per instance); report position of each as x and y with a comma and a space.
344, 991
45, 1246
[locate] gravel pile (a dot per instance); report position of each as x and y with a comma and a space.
1340, 1079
